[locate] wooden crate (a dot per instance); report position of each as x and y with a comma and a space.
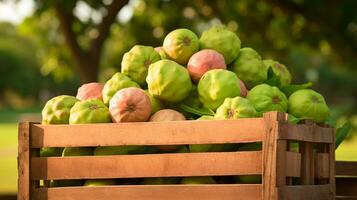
313, 165
346, 180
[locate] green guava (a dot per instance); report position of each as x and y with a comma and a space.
77, 151
117, 82
206, 117
51, 151
136, 62
308, 104
89, 111
222, 40
216, 85
161, 52
160, 181
156, 104
235, 108
99, 182
168, 81
57, 110
180, 44
198, 180
280, 71
110, 150
267, 98
249, 67
183, 149
249, 179
255, 146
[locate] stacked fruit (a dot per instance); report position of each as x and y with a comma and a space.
204, 78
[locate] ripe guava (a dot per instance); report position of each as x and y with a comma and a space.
221, 40
160, 181
198, 180
161, 52
249, 67
234, 108
136, 62
280, 71
89, 111
180, 44
308, 104
90, 91
243, 89
130, 105
51, 151
267, 98
203, 61
156, 104
168, 81
57, 110
117, 82
99, 182
216, 85
77, 151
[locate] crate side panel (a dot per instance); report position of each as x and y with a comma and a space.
306, 132
346, 168
306, 192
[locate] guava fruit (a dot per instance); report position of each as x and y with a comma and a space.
136, 62
156, 104
57, 110
308, 104
130, 105
249, 179
99, 182
160, 181
221, 40
267, 98
51, 151
235, 108
182, 149
206, 117
180, 44
249, 67
90, 91
117, 82
255, 146
280, 71
198, 180
168, 81
89, 111
243, 89
110, 150
203, 61
161, 52
216, 85
77, 151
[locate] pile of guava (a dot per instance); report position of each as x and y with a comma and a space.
190, 76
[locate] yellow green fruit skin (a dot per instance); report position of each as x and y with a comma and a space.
198, 180
89, 111
180, 44
280, 70
77, 151
223, 41
136, 62
235, 108
99, 182
51, 152
249, 67
168, 81
252, 179
216, 85
267, 98
308, 104
117, 82
156, 104
57, 110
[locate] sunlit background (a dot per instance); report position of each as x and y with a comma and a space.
49, 48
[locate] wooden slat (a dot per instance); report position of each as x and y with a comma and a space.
346, 186
304, 132
148, 133
306, 192
293, 163
154, 165
332, 180
322, 165
23, 161
346, 168
153, 192
307, 163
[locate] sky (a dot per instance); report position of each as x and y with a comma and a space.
15, 11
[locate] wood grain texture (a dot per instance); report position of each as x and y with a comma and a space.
346, 186
293, 164
307, 163
148, 133
154, 165
306, 192
346, 168
23, 160
153, 192
322, 165
305, 132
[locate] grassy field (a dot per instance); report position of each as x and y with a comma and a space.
8, 153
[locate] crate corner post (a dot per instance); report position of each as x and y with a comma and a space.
23, 160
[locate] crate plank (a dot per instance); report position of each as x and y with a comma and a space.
23, 161
307, 163
154, 165
293, 163
153, 192
346, 186
322, 169
305, 132
148, 133
346, 168
306, 192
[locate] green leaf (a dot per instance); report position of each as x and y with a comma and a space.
197, 111
289, 89
341, 133
293, 119
273, 79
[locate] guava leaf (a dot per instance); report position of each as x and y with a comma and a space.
273, 79
197, 111
293, 119
341, 133
289, 89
